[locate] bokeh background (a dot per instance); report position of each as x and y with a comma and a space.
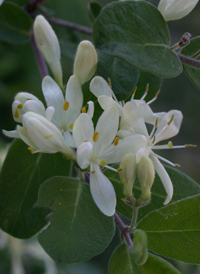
19, 72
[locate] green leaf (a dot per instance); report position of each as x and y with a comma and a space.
94, 10
122, 261
184, 187
173, 231
123, 76
136, 32
15, 24
21, 176
68, 49
157, 265
78, 230
189, 50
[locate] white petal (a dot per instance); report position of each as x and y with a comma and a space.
49, 113
136, 109
74, 96
23, 135
15, 104
90, 111
34, 106
102, 191
107, 127
139, 127
68, 139
144, 151
162, 173
83, 152
106, 101
12, 133
83, 129
99, 86
152, 118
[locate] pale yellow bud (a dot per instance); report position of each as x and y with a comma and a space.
85, 63
48, 45
128, 173
140, 246
146, 176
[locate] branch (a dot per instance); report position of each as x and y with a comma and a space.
70, 25
123, 229
33, 6
188, 60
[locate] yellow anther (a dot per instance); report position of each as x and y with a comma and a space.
158, 92
154, 138
190, 145
84, 110
47, 137
124, 181
93, 171
20, 106
96, 136
156, 123
177, 165
170, 145
119, 169
71, 126
109, 82
170, 120
103, 163
86, 141
66, 105
31, 149
26, 130
116, 141
147, 88
16, 114
134, 92
122, 199
60, 189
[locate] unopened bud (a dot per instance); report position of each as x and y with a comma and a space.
48, 45
85, 63
176, 9
146, 176
128, 173
140, 246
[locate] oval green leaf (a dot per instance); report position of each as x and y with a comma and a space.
77, 230
136, 32
173, 231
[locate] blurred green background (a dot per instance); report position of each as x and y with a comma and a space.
19, 72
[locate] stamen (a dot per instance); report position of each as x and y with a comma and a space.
16, 114
111, 168
154, 128
83, 110
155, 97
20, 106
119, 169
170, 120
47, 137
124, 181
116, 141
190, 146
154, 138
71, 125
26, 130
93, 171
134, 92
66, 105
31, 149
170, 145
96, 136
86, 141
109, 82
103, 162
145, 93
166, 161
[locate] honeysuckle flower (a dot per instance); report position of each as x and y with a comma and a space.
48, 44
176, 9
85, 63
1, 2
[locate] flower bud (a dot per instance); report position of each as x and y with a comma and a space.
85, 63
140, 244
48, 45
146, 176
176, 9
128, 173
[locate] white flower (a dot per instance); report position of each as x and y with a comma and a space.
1, 2
48, 44
176, 9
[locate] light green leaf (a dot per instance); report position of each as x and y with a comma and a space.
15, 24
123, 262
173, 231
136, 32
184, 187
78, 230
157, 265
21, 176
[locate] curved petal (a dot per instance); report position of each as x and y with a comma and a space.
68, 139
162, 173
99, 86
144, 151
83, 129
136, 109
23, 135
90, 111
34, 106
107, 101
11, 134
83, 152
152, 118
102, 191
49, 113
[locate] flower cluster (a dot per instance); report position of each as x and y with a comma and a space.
120, 134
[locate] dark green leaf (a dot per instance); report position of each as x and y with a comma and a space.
68, 49
15, 24
123, 76
136, 32
183, 187
157, 265
78, 230
94, 10
123, 262
173, 231
189, 50
21, 176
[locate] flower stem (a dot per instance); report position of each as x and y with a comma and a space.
33, 6
134, 219
123, 230
188, 60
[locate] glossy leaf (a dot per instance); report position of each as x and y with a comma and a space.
15, 24
189, 50
157, 265
184, 187
136, 32
122, 261
77, 230
173, 231
21, 176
